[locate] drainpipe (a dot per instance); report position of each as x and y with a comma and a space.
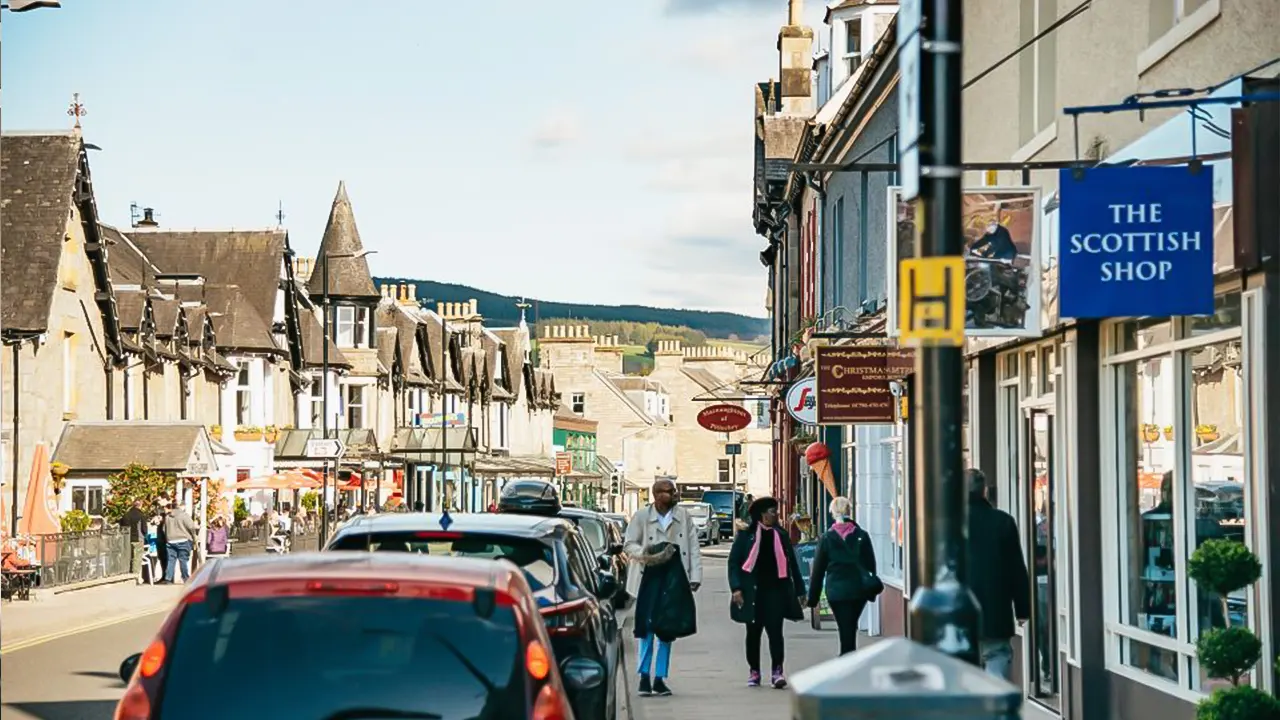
13, 505
111, 391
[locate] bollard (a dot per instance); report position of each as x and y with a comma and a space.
900, 679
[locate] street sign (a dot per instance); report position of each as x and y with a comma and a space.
564, 463
931, 301
733, 449
725, 418
802, 401
910, 18
325, 448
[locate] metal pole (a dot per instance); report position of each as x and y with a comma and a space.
944, 613
733, 478
447, 496
324, 401
13, 440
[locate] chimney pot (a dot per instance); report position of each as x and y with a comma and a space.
475, 307
795, 16
440, 309
413, 292
402, 292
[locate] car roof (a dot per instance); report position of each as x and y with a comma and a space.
577, 513
515, 525
361, 565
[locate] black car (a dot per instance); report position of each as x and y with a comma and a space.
724, 508
571, 591
606, 543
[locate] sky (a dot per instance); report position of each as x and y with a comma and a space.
568, 150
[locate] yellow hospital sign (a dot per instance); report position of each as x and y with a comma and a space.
931, 301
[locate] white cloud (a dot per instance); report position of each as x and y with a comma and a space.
558, 128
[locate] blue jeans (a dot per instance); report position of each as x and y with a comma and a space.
179, 556
649, 647
997, 658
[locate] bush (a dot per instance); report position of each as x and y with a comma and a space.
1228, 653
75, 521
135, 482
310, 501
241, 510
1239, 703
1224, 566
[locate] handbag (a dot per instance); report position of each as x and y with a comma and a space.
870, 583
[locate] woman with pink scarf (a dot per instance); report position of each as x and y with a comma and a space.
767, 588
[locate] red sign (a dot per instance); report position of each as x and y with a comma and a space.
724, 418
564, 463
853, 382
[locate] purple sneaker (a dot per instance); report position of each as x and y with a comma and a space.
779, 679
753, 680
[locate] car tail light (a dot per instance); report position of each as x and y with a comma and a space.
551, 704
537, 661
436, 535
136, 702
135, 705
568, 618
356, 587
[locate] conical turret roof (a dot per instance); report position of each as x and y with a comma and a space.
348, 276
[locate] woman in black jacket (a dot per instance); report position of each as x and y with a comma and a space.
767, 588
846, 562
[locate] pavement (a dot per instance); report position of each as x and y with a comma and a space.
49, 617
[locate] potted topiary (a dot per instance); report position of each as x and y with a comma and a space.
1222, 567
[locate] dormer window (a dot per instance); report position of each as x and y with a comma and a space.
351, 326
852, 46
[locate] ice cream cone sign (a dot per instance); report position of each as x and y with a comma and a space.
818, 455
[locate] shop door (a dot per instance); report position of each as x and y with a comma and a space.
1042, 657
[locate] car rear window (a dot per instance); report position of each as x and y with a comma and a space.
699, 510
532, 556
721, 500
316, 656
597, 536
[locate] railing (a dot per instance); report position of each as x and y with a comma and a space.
69, 558
252, 539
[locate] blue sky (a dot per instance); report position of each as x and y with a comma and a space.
575, 150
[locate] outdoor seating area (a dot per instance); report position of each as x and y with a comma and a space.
62, 559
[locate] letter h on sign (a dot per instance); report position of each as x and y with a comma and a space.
931, 301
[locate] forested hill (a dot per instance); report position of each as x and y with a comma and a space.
500, 310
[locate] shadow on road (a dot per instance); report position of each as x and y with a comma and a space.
100, 674
66, 709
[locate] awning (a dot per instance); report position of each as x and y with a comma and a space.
430, 445
291, 444
514, 466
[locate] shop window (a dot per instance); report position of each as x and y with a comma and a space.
1182, 436
87, 499
723, 470
244, 395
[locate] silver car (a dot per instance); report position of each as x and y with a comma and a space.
703, 520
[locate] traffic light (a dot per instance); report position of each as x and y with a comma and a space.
615, 485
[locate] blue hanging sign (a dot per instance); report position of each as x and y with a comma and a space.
1135, 241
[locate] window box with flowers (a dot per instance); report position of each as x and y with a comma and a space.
248, 433
1207, 433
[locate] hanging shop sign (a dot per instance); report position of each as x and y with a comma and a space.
1136, 241
802, 401
1002, 262
724, 418
564, 463
853, 382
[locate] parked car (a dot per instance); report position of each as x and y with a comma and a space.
344, 635
724, 504
571, 592
708, 527
618, 520
606, 543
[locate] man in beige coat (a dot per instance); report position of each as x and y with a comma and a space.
662, 521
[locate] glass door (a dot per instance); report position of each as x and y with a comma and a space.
1043, 679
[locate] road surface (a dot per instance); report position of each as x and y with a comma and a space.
72, 678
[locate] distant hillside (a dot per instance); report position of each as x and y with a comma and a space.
501, 310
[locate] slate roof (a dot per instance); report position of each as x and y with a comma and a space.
312, 350
386, 340
129, 308
165, 313
495, 353
126, 263
111, 445
434, 332
236, 323
515, 359
37, 179
348, 276
406, 326
711, 383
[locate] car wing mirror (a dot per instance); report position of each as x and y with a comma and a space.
606, 584
129, 666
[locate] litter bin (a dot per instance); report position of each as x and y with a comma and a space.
900, 679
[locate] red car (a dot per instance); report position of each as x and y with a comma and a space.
349, 636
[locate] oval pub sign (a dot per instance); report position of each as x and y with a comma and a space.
724, 418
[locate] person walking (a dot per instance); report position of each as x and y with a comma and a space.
764, 577
180, 532
998, 576
653, 537
218, 542
845, 563
135, 521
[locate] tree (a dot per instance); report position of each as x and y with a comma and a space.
135, 482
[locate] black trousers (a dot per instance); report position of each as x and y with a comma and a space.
847, 613
770, 611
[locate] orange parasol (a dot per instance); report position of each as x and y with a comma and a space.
39, 513
287, 480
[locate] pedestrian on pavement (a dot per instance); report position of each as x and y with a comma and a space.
218, 543
180, 532
997, 576
767, 587
661, 523
846, 563
135, 521
162, 547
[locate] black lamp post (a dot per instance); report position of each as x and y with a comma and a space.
324, 398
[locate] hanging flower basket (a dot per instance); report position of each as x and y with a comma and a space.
271, 434
1150, 433
1207, 433
1168, 432
216, 431
58, 473
248, 434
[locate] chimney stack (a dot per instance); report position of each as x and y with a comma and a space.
148, 218
795, 59
413, 293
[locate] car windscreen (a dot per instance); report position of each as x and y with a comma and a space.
721, 500
699, 510
528, 554
594, 530
318, 656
